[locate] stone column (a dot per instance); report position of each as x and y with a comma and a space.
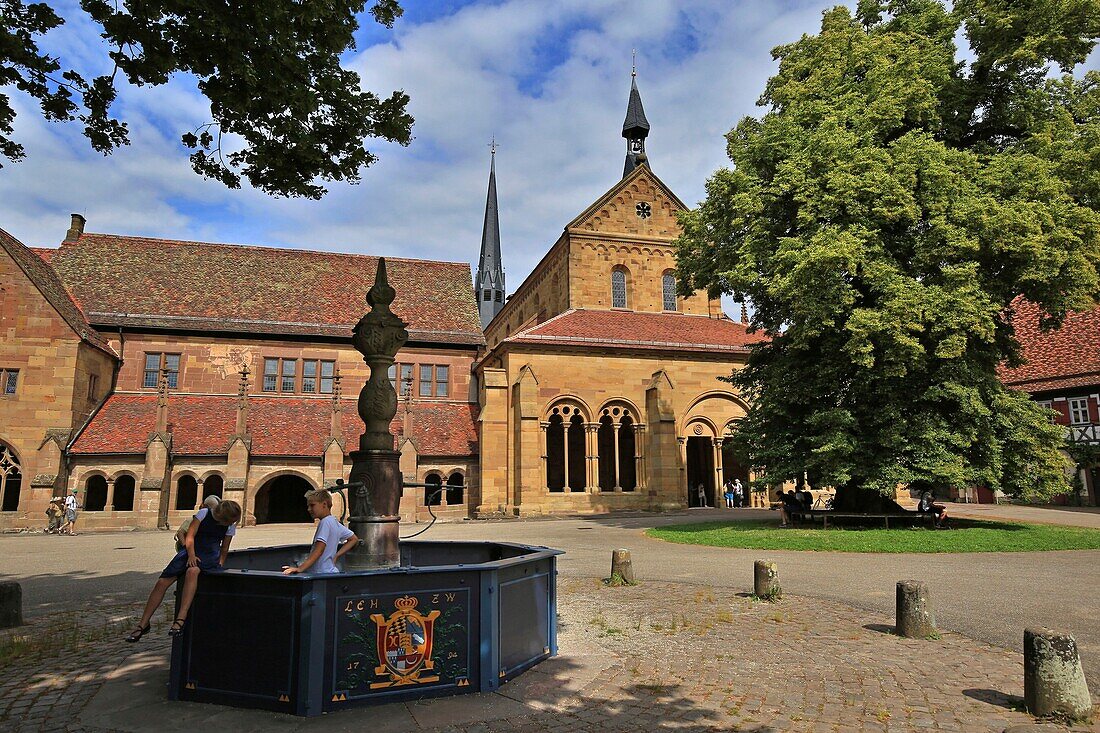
682, 441
110, 505
565, 459
718, 467
592, 456
639, 457
544, 427
199, 495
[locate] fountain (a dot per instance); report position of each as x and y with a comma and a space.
405, 620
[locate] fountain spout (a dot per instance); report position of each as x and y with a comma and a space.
375, 481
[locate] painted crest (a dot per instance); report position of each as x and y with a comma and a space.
404, 643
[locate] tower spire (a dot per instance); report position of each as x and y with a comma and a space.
635, 126
490, 270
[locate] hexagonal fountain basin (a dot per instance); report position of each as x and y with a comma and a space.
455, 617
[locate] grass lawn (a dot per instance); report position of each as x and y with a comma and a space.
964, 536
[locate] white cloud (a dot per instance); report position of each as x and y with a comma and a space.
702, 65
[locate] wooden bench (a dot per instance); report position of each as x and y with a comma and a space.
825, 514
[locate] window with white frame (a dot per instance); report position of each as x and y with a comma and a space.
1079, 410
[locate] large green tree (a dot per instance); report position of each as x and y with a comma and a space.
284, 113
883, 215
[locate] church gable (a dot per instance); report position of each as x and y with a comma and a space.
639, 205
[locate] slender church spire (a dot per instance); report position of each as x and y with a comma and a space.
635, 127
490, 271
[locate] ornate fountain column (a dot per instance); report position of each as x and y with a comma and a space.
375, 468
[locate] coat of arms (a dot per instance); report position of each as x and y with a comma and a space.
404, 645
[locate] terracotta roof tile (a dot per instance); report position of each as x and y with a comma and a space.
1061, 359
279, 426
630, 330
37, 269
162, 283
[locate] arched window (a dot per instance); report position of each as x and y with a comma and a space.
212, 486
124, 493
605, 450
668, 291
454, 489
615, 448
628, 474
95, 494
555, 453
577, 453
11, 479
618, 288
566, 449
187, 493
432, 495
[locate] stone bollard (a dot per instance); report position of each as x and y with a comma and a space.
11, 605
1054, 683
621, 567
915, 619
766, 580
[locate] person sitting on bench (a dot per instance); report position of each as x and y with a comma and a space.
789, 506
928, 506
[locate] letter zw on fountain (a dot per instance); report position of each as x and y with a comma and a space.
374, 503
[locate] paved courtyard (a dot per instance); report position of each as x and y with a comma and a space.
684, 650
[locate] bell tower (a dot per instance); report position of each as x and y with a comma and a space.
490, 271
635, 127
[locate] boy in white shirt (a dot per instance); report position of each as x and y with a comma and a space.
331, 541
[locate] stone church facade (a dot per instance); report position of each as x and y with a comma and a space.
600, 385
149, 373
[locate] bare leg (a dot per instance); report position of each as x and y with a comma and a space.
155, 597
190, 585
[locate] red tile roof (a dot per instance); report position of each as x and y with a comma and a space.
1066, 358
162, 283
630, 330
279, 426
52, 289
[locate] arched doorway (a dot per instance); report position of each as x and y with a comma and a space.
124, 493
700, 469
213, 485
187, 493
432, 495
95, 494
454, 489
282, 500
11, 479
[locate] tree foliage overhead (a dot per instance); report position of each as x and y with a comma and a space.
884, 214
271, 71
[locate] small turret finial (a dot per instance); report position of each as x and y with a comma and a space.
633, 63
493, 146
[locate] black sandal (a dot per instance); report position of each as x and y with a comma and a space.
177, 627
138, 633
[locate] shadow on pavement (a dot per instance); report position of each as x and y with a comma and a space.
73, 590
881, 628
995, 697
564, 693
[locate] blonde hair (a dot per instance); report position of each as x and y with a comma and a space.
226, 512
319, 496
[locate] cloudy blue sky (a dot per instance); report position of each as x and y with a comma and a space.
548, 79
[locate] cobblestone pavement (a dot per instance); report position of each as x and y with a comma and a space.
660, 655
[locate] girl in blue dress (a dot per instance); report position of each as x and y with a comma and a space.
204, 550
